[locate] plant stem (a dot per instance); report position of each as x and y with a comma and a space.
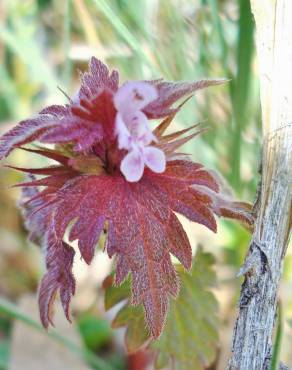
252, 340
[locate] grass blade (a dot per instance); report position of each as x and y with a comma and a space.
67, 43
241, 88
125, 33
11, 310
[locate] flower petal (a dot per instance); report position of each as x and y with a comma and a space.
134, 96
132, 166
155, 159
147, 138
122, 132
136, 123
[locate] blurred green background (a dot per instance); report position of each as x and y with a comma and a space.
44, 43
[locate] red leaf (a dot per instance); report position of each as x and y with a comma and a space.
179, 182
73, 128
136, 236
55, 110
30, 199
59, 277
170, 92
25, 132
34, 203
85, 123
223, 205
54, 181
49, 153
97, 78
52, 170
88, 236
143, 230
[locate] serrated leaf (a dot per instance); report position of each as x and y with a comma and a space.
170, 92
137, 334
26, 131
59, 277
143, 229
131, 316
190, 336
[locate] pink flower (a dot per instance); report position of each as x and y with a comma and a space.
133, 131
132, 166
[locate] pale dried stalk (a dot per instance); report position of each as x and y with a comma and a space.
252, 341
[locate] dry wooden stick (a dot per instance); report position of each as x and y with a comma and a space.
252, 339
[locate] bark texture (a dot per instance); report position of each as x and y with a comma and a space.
252, 340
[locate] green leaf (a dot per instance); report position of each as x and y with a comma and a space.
136, 335
130, 316
95, 331
190, 337
115, 294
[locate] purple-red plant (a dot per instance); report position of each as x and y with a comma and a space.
114, 173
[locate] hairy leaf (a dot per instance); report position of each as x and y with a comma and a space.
130, 316
170, 92
224, 205
143, 229
96, 79
190, 336
59, 277
85, 123
26, 131
36, 223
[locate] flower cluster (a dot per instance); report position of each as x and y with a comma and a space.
133, 130
113, 172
